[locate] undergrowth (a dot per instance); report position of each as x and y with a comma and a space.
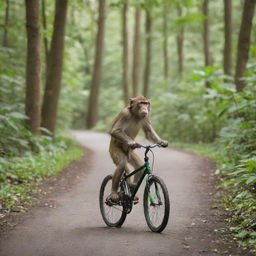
19, 174
221, 123
238, 179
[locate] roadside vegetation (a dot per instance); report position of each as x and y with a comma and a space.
21, 174
233, 148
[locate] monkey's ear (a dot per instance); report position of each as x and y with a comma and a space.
131, 100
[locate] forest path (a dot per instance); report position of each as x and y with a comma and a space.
75, 226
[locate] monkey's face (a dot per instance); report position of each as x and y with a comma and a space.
140, 107
143, 109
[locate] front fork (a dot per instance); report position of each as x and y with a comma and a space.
150, 197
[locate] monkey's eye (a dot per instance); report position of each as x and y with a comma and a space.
144, 103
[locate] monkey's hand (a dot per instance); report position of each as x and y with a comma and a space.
133, 144
163, 143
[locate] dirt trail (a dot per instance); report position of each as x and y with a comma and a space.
75, 226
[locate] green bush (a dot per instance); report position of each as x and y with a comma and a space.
18, 175
191, 112
239, 164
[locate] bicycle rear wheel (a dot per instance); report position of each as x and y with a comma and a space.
113, 214
156, 204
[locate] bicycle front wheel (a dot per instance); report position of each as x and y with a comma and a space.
156, 204
113, 214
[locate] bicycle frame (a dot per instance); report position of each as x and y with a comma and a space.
147, 170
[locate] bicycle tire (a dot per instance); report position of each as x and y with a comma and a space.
152, 192
118, 210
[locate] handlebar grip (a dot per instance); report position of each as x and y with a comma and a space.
151, 146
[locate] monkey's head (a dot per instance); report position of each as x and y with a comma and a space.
139, 107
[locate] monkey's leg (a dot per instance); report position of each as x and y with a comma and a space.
136, 162
127, 171
121, 167
117, 176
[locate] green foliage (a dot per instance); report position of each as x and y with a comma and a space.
193, 113
192, 107
14, 136
188, 19
239, 165
18, 175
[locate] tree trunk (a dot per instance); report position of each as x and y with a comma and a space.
206, 42
147, 70
165, 44
32, 101
180, 44
136, 52
92, 116
227, 57
54, 71
45, 31
243, 46
125, 54
6, 22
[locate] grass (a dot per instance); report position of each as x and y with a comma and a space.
18, 175
206, 149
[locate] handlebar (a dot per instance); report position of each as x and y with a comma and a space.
148, 148
151, 146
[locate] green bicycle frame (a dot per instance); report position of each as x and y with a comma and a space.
147, 170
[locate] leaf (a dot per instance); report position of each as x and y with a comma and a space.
242, 234
12, 125
222, 112
251, 180
46, 131
18, 115
189, 18
242, 194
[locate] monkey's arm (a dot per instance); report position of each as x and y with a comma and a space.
118, 129
150, 132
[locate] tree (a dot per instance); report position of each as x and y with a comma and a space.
206, 41
54, 70
6, 23
44, 21
92, 116
243, 45
32, 101
125, 54
147, 69
136, 52
227, 57
180, 43
165, 43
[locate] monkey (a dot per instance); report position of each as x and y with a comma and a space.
124, 129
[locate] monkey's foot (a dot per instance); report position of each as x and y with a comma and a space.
135, 200
114, 197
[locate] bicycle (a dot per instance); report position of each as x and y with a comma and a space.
156, 201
